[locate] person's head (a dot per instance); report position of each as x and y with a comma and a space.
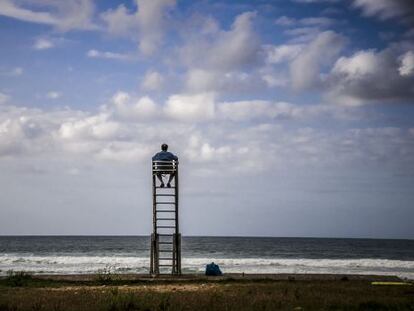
164, 147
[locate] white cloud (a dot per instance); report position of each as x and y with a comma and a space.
361, 63
198, 150
147, 22
273, 79
305, 69
221, 62
306, 29
285, 21
407, 64
264, 111
199, 80
303, 35
226, 50
205, 80
120, 22
321, 22
386, 9
233, 49
53, 95
359, 78
10, 136
209, 26
27, 131
127, 107
282, 53
11, 9
94, 127
43, 44
317, 21
201, 107
108, 55
259, 109
64, 15
128, 152
151, 20
191, 108
251, 135
152, 81
121, 98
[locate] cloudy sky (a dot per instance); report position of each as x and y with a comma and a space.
290, 118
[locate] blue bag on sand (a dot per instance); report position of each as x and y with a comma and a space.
213, 269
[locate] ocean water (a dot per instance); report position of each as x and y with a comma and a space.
130, 254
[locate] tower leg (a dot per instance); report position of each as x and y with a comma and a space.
154, 248
174, 256
179, 253
152, 271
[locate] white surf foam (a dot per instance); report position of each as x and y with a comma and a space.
130, 264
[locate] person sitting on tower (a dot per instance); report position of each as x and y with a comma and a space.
165, 155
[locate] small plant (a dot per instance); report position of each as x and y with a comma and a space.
18, 278
106, 275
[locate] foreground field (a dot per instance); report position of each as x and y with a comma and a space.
110, 293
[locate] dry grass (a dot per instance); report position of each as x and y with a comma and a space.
234, 295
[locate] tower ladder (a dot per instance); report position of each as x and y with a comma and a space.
166, 237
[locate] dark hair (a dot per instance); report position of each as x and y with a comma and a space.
164, 147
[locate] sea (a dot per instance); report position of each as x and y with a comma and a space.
130, 254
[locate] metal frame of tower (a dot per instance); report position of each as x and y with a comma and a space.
166, 237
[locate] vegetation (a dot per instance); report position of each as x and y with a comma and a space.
18, 278
106, 276
41, 294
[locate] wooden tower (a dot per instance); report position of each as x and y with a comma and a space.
165, 238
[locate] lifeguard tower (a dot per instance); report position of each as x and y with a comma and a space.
166, 237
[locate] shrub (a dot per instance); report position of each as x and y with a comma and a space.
106, 276
18, 278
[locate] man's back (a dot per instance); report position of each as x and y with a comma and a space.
165, 168
164, 156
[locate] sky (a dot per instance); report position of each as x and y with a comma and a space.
290, 118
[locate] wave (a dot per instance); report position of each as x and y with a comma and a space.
131, 264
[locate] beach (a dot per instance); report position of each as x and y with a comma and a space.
111, 273
198, 292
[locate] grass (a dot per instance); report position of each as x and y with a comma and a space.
107, 276
41, 294
18, 278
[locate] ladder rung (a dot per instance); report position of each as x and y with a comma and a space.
165, 203
158, 187
165, 265
165, 243
165, 218
165, 250
165, 211
165, 234
164, 258
165, 195
166, 227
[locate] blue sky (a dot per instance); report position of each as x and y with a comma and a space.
290, 118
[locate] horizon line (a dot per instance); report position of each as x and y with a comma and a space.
201, 236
